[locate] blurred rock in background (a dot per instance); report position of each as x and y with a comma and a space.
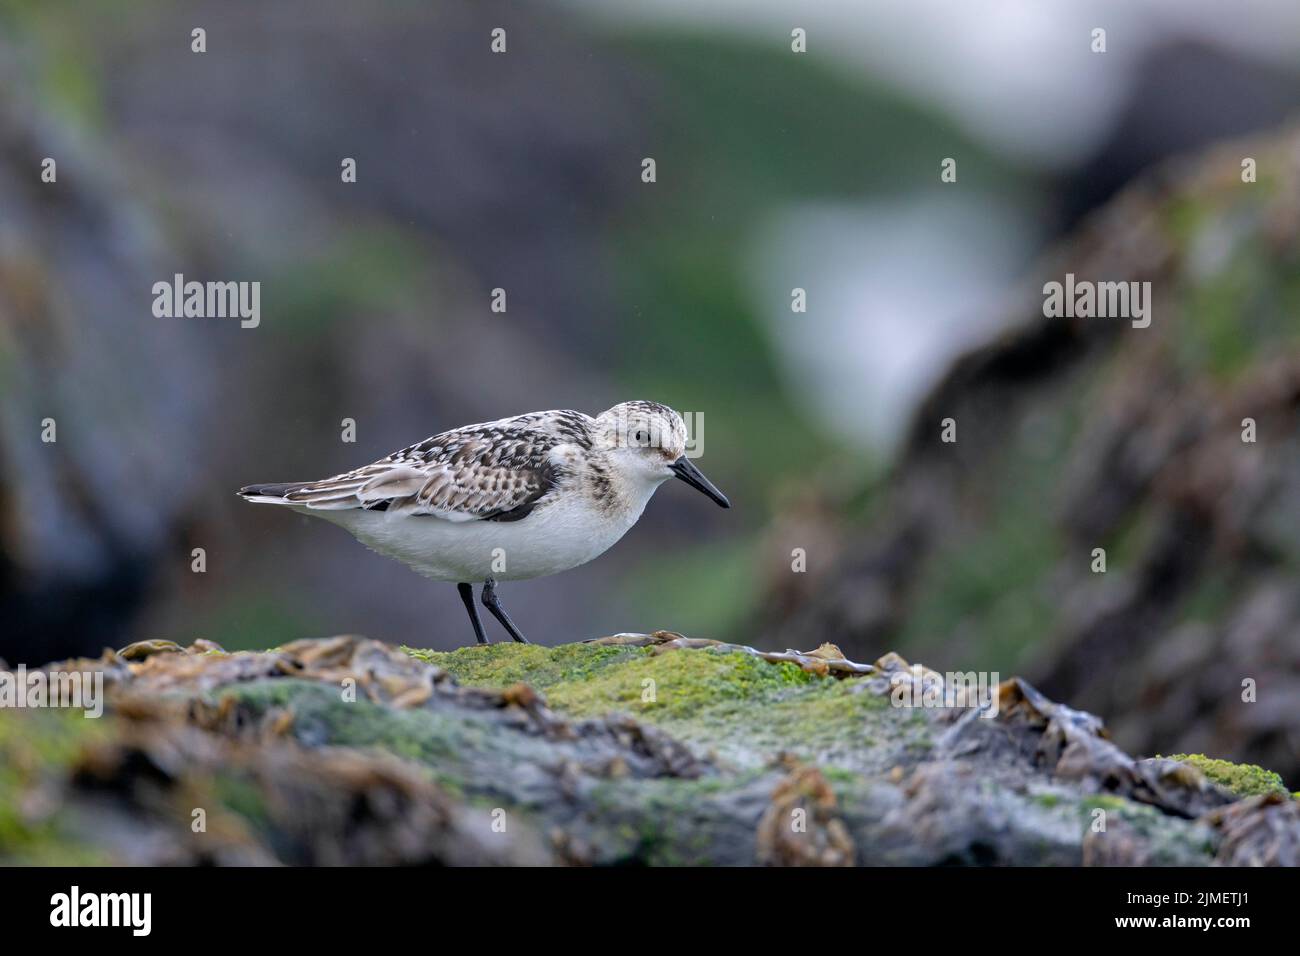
1075, 434
103, 409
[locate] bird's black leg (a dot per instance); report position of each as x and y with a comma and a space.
466, 592
492, 604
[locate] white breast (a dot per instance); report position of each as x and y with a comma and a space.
562, 534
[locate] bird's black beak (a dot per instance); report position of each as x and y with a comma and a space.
688, 473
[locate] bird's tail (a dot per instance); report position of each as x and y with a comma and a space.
272, 493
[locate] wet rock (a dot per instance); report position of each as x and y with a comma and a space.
268, 801
802, 827
1259, 831
649, 749
826, 659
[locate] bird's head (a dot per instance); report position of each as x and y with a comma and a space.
648, 440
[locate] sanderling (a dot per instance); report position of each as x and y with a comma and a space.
517, 498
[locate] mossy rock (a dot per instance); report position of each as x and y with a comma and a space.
1243, 779
671, 752
729, 702
37, 749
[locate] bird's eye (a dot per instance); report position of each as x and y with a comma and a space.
641, 438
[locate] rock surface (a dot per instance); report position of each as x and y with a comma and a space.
643, 749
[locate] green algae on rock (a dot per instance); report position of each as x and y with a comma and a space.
503, 664
652, 749
36, 749
1243, 779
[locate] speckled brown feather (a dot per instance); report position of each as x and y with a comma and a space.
496, 471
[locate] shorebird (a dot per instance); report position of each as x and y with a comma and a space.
517, 498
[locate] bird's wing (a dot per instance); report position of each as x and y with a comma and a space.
498, 471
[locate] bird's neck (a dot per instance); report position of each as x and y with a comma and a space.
616, 491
